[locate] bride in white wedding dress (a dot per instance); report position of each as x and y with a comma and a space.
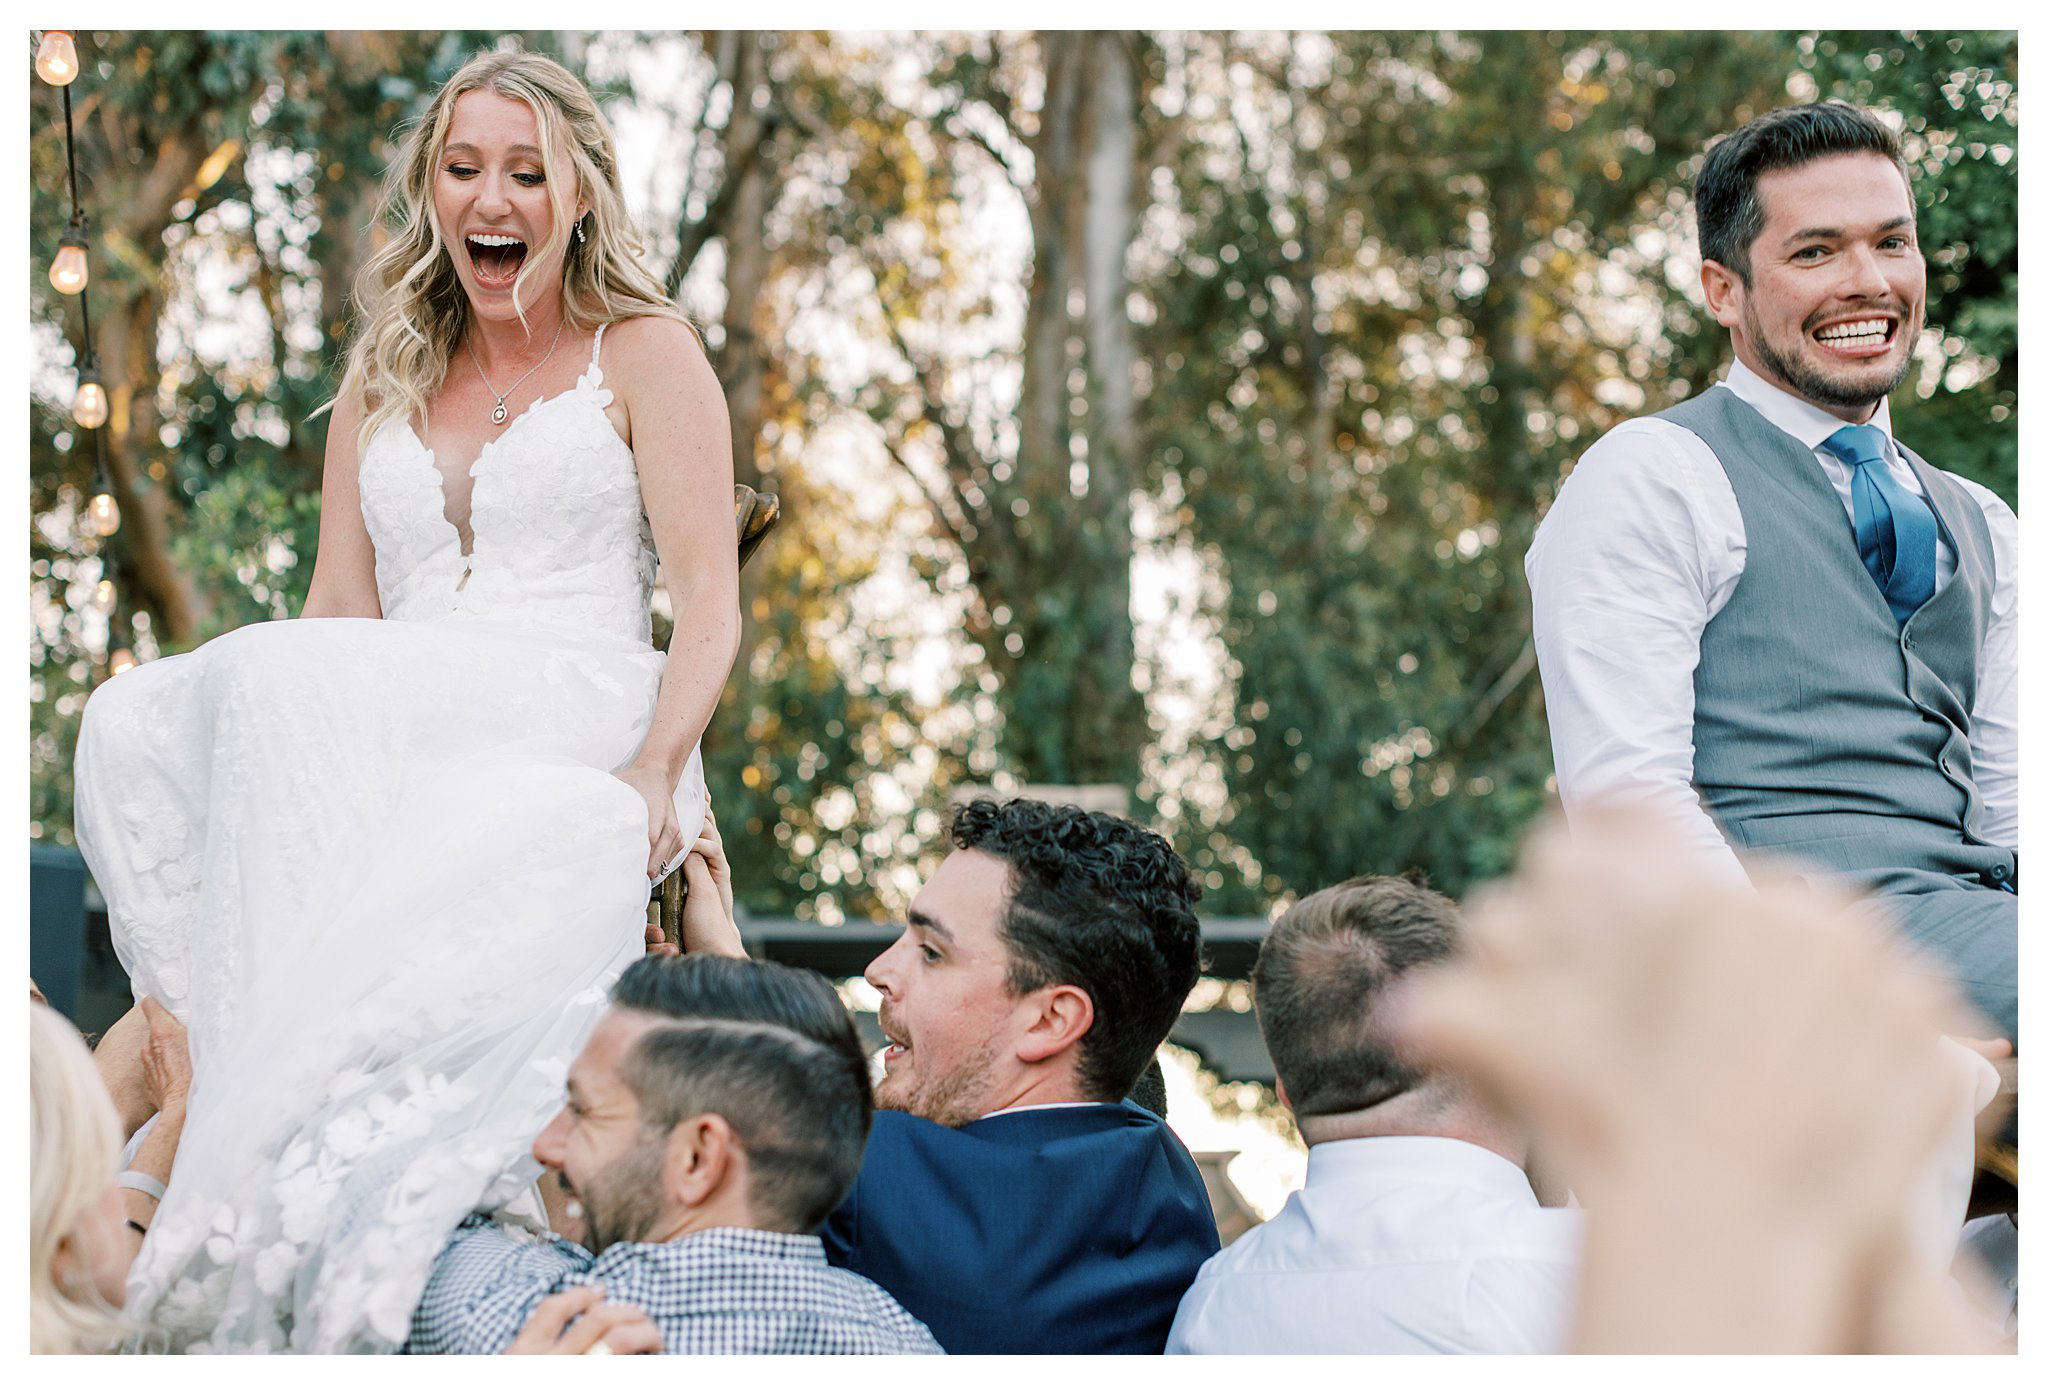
386, 859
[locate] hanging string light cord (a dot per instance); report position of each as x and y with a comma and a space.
70, 272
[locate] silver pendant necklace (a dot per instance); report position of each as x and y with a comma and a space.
498, 414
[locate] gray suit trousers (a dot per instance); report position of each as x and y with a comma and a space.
1971, 934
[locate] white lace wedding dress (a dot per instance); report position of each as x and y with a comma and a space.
383, 872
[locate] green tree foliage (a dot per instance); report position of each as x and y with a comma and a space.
830, 769
1033, 491
1958, 97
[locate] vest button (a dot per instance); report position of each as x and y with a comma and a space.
1999, 872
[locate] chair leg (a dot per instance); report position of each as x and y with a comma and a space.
1997, 1184
673, 891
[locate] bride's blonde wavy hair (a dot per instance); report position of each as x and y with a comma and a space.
411, 309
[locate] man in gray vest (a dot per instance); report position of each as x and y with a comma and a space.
1760, 614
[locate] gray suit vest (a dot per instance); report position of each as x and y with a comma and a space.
1820, 726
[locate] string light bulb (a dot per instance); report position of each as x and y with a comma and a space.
57, 58
68, 272
89, 406
120, 660
104, 595
102, 514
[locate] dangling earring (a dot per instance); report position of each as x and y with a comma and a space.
580, 237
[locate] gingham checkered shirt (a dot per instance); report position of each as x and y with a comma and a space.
728, 1290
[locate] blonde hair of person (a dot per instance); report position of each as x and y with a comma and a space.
74, 1153
411, 309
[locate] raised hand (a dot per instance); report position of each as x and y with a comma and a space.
166, 1061
658, 944
598, 1328
708, 923
118, 1057
1743, 1086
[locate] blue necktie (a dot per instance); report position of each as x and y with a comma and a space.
1894, 527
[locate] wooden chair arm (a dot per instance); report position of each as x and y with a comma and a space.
754, 514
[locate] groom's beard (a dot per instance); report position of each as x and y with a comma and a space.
1811, 380
622, 1201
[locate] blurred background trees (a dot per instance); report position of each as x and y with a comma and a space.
1169, 410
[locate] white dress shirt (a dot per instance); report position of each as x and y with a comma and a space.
1643, 547
1395, 1243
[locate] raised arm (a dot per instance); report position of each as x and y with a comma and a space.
167, 1078
682, 446
345, 569
1630, 564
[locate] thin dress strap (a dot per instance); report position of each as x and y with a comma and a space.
597, 344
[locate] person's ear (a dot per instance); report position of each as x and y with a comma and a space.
1724, 289
1059, 1017
1280, 1094
64, 1261
701, 1151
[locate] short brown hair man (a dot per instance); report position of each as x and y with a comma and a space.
1417, 1229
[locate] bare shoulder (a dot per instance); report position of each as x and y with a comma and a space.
344, 419
348, 409
659, 352
675, 407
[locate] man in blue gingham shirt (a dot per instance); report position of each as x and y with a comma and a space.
719, 1110
726, 1290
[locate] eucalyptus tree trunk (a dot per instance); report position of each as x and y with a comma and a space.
743, 206
125, 335
1065, 653
127, 308
1103, 675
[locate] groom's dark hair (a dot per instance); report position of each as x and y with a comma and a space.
1724, 195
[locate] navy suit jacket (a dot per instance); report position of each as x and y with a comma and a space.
1072, 1229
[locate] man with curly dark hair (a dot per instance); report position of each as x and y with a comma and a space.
1011, 1197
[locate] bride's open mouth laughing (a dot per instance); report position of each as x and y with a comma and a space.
495, 258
